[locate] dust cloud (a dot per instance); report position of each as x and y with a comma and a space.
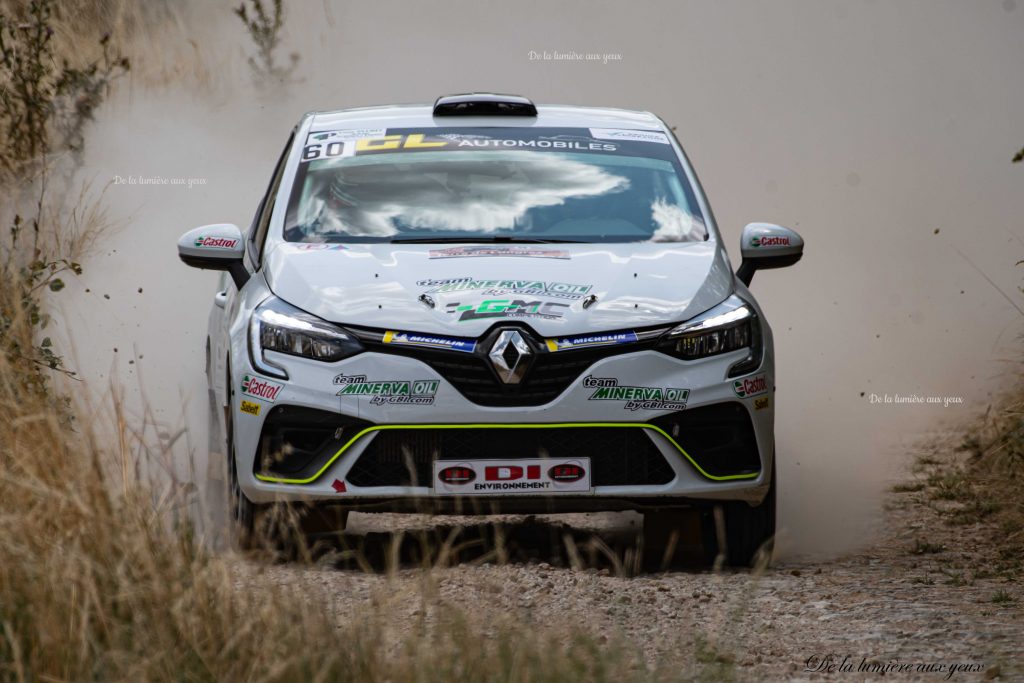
881, 131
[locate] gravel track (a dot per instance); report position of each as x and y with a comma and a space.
924, 593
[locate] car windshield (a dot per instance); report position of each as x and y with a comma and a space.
492, 184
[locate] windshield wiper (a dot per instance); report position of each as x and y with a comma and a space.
497, 239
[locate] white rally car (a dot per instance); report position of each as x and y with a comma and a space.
490, 306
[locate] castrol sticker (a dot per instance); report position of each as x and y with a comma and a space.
261, 389
751, 386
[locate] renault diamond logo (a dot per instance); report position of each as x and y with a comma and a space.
510, 356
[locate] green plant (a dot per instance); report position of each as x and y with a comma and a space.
43, 108
265, 28
38, 99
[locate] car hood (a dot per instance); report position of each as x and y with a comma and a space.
549, 287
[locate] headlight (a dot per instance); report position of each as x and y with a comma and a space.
730, 326
277, 326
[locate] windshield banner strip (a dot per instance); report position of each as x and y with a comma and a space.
522, 252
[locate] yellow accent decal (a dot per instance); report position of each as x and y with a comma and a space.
373, 144
552, 346
416, 140
388, 336
251, 408
505, 425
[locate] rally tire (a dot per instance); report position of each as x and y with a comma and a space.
673, 537
750, 530
242, 512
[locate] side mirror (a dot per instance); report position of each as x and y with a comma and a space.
764, 246
215, 247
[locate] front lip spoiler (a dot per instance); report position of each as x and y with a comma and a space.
506, 425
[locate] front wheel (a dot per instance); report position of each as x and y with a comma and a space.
275, 527
734, 533
749, 530
242, 517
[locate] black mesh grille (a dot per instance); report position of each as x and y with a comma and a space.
297, 441
618, 455
719, 437
548, 376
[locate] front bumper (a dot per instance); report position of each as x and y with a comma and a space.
365, 432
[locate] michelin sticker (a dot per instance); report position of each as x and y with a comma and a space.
751, 386
389, 392
507, 308
554, 290
409, 339
634, 135
636, 397
261, 389
588, 340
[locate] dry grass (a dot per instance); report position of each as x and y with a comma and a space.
162, 38
995, 449
980, 484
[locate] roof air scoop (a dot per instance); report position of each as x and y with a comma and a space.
483, 104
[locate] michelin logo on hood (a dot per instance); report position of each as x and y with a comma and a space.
411, 339
588, 340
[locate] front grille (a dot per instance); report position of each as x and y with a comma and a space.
474, 377
719, 437
619, 456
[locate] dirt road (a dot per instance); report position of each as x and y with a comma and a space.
926, 601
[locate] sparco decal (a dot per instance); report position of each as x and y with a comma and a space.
522, 252
751, 386
555, 290
394, 392
410, 339
770, 241
636, 398
262, 389
215, 243
587, 340
508, 308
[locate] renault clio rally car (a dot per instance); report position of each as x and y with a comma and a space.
490, 306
